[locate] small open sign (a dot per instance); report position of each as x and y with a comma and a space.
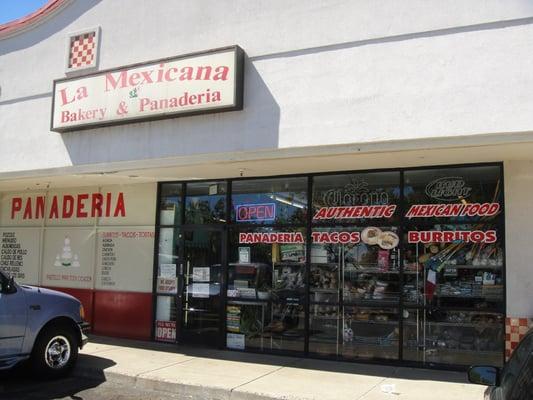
256, 212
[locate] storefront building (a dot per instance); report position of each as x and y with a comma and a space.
358, 192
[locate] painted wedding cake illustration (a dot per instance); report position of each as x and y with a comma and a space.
67, 259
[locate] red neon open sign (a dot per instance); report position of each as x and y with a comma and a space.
256, 212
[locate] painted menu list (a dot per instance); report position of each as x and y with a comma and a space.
124, 259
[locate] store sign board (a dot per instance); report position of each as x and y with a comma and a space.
130, 205
78, 206
256, 212
165, 331
198, 83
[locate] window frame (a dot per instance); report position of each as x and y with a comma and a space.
402, 223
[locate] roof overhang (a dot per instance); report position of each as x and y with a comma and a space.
28, 22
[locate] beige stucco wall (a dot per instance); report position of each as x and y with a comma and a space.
518, 236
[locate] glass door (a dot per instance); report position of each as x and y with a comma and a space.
199, 291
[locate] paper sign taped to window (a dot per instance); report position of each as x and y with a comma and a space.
200, 290
235, 341
167, 270
200, 274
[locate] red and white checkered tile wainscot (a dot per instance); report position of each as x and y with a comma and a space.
515, 329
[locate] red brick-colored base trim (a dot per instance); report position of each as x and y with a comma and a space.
114, 313
123, 314
515, 329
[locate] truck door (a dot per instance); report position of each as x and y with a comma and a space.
13, 315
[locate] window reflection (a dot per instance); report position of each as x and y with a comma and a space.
205, 202
270, 201
170, 204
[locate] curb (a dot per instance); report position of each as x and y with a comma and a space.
189, 392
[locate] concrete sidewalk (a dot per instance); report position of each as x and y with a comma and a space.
214, 374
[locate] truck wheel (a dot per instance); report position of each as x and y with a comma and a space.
55, 352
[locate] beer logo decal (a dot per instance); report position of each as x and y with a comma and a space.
67, 259
355, 192
448, 188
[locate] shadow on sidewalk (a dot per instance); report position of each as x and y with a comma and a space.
21, 383
296, 361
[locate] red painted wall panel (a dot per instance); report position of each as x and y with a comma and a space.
123, 314
85, 296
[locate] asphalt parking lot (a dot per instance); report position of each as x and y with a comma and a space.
19, 385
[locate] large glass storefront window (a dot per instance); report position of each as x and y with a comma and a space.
266, 270
386, 265
361, 198
170, 204
354, 282
270, 201
205, 202
453, 266
355, 266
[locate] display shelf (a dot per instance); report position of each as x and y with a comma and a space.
324, 303
471, 266
412, 306
285, 334
495, 325
247, 302
289, 263
325, 264
366, 270
320, 340
372, 322
325, 317
394, 302
362, 345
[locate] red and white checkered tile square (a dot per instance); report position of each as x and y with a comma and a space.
515, 329
82, 50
